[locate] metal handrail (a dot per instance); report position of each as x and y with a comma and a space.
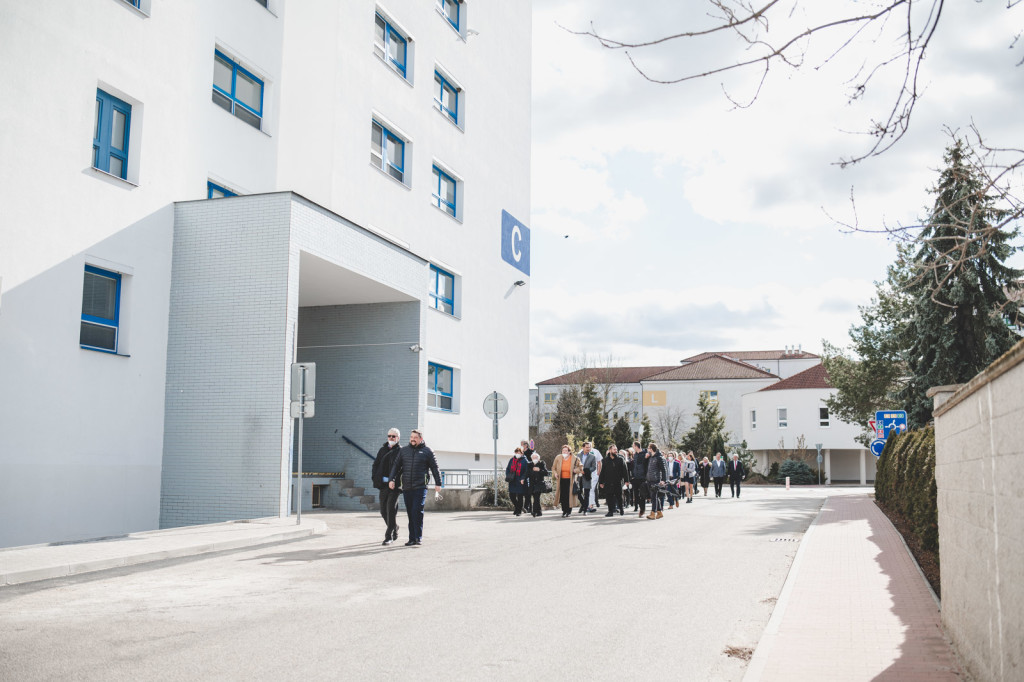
356, 446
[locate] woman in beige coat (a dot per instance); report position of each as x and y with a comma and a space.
564, 471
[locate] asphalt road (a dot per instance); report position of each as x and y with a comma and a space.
487, 596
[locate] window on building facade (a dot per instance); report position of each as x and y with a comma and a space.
550, 398
445, 192
442, 290
450, 10
387, 151
390, 45
753, 419
636, 416
101, 308
237, 90
710, 396
440, 389
215, 191
548, 417
635, 397
446, 97
823, 416
783, 416
111, 134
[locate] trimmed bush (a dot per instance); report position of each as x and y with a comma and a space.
773, 471
799, 472
905, 483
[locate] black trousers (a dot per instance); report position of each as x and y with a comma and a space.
536, 503
389, 509
564, 493
528, 501
639, 495
734, 486
613, 498
719, 480
584, 499
517, 502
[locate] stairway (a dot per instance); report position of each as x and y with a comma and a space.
344, 494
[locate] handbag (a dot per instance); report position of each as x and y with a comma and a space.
509, 477
576, 488
547, 486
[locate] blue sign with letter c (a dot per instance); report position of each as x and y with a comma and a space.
515, 243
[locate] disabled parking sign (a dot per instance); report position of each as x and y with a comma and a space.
886, 422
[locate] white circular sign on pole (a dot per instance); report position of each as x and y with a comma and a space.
495, 405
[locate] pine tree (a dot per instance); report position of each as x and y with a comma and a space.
622, 435
961, 317
709, 431
569, 414
595, 426
645, 435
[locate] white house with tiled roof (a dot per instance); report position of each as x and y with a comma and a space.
776, 418
672, 395
782, 363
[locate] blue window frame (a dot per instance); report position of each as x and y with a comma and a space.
445, 189
134, 3
215, 191
387, 151
439, 386
450, 10
446, 96
111, 134
442, 290
236, 90
101, 308
390, 45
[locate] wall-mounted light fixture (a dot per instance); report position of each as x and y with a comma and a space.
519, 283
415, 348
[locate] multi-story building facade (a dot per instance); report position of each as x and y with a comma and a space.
790, 418
199, 194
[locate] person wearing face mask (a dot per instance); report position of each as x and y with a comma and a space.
657, 475
538, 482
380, 474
527, 455
518, 478
413, 467
613, 474
564, 471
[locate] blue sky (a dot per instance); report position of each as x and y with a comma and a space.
667, 223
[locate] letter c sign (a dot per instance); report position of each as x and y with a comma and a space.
515, 243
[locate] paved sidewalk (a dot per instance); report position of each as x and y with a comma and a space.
42, 562
854, 607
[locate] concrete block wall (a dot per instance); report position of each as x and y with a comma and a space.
979, 467
227, 360
367, 381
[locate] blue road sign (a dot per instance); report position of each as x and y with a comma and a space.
877, 445
515, 243
890, 421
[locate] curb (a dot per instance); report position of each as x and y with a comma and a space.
75, 568
764, 645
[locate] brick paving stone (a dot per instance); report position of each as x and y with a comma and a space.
855, 607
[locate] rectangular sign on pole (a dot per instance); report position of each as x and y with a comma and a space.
303, 381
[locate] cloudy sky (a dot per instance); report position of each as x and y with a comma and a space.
665, 222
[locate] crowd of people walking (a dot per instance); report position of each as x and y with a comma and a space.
632, 477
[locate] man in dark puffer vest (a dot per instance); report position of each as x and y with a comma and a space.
410, 472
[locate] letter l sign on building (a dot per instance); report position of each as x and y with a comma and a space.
515, 243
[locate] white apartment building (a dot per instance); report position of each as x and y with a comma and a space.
782, 363
777, 417
199, 193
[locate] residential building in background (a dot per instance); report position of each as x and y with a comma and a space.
199, 194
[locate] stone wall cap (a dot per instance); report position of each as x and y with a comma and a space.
949, 388
1003, 364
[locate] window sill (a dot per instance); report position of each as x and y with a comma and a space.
389, 176
455, 124
135, 9
441, 410
395, 70
453, 217
261, 129
450, 316
110, 176
449, 24
105, 352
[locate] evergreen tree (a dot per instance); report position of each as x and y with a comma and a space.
595, 424
709, 431
961, 317
569, 414
622, 435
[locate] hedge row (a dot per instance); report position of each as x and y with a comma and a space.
905, 483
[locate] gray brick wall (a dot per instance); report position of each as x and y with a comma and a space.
367, 380
227, 348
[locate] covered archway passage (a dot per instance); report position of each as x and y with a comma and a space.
256, 281
364, 337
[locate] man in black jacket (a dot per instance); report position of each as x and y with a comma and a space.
613, 475
736, 474
381, 475
527, 455
410, 471
640, 478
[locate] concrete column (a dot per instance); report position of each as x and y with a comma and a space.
863, 467
828, 467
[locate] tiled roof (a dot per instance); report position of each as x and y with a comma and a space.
755, 355
815, 377
605, 375
713, 367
